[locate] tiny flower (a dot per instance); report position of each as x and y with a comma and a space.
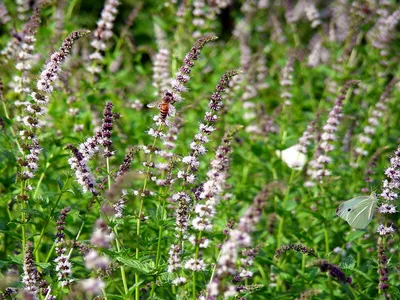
195, 265
179, 281
93, 286
385, 230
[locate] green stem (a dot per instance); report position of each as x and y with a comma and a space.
122, 268
12, 130
51, 213
22, 186
196, 256
215, 266
160, 231
296, 37
40, 180
137, 247
50, 252
108, 172
326, 239
326, 232
282, 222
104, 294
117, 242
138, 221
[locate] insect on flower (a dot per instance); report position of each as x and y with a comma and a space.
165, 106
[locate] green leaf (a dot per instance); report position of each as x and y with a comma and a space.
166, 277
133, 287
354, 235
70, 191
114, 296
18, 259
348, 264
290, 205
141, 267
11, 233
34, 212
43, 265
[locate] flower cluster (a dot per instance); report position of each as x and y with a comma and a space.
209, 196
295, 247
102, 235
308, 134
161, 67
312, 13
79, 163
93, 286
242, 33
81, 157
178, 83
195, 265
334, 271
215, 185
277, 34
126, 164
106, 129
52, 68
383, 270
26, 48
31, 160
119, 206
382, 33
171, 136
4, 15
182, 212
389, 193
22, 8
63, 265
205, 129
103, 32
31, 275
309, 294
318, 53
287, 80
318, 166
199, 13
197, 149
340, 27
37, 108
262, 72
174, 260
46, 290
378, 112
238, 238
246, 261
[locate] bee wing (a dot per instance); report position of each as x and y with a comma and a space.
171, 110
153, 104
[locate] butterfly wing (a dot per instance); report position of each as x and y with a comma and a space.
345, 208
362, 213
358, 212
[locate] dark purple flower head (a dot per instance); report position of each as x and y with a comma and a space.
334, 271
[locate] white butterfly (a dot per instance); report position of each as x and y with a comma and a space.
358, 212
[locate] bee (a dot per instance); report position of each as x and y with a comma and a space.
165, 106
